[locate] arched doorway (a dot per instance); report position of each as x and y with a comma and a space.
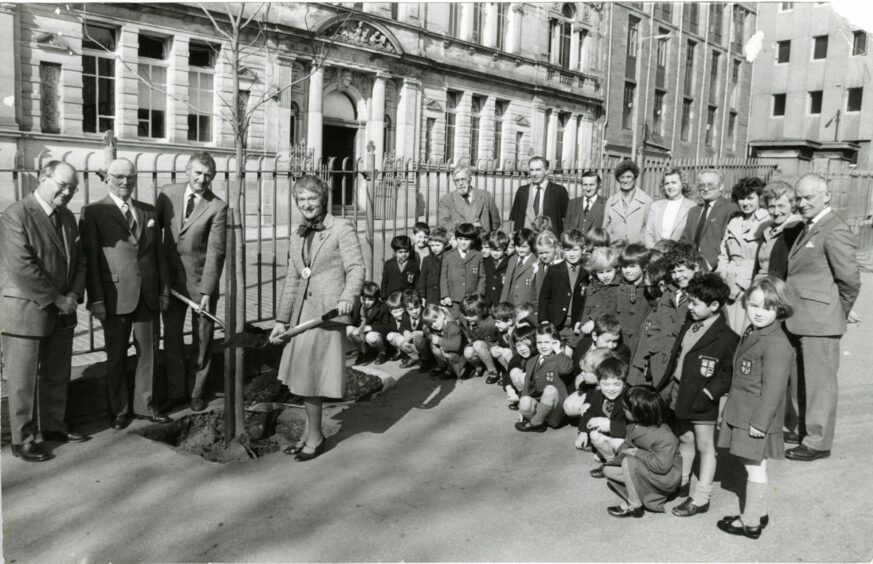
339, 136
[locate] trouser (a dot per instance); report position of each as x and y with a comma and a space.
179, 382
126, 398
818, 363
38, 375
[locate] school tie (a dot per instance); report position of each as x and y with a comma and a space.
536, 204
574, 267
747, 332
633, 293
587, 207
608, 406
131, 221
680, 297
701, 223
189, 207
696, 326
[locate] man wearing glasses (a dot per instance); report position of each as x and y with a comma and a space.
193, 220
468, 205
126, 288
707, 222
42, 280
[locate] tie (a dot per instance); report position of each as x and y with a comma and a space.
633, 293
608, 406
467, 198
131, 221
680, 297
586, 207
574, 267
536, 205
696, 327
56, 222
747, 332
190, 206
700, 224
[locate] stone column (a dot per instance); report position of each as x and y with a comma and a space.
314, 120
490, 31
466, 21
552, 136
585, 140
9, 81
574, 47
406, 118
177, 87
513, 38
283, 76
569, 152
376, 124
127, 85
538, 127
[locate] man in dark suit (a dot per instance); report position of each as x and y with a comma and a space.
126, 283
707, 222
42, 280
193, 221
540, 197
586, 212
825, 278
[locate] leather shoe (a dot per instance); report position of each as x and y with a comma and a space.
688, 508
805, 454
381, 359
303, 456
597, 472
765, 520
198, 404
30, 452
493, 377
742, 529
684, 490
121, 422
526, 427
617, 511
409, 362
65, 437
426, 366
790, 438
157, 417
295, 449
172, 403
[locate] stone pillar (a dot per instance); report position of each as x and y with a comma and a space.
585, 140
9, 82
466, 21
407, 109
314, 120
283, 77
376, 124
574, 47
490, 31
513, 38
538, 128
552, 136
177, 87
569, 152
127, 84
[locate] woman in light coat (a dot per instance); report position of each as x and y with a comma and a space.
325, 271
667, 217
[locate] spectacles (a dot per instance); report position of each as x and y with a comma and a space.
707, 187
64, 186
120, 177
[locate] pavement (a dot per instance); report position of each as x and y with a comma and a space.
429, 470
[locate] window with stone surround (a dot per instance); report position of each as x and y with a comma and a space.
455, 19
500, 108
561, 29
689, 68
98, 78
815, 98
853, 99
658, 112
519, 147
478, 103
293, 126
478, 31
627, 108
859, 43
502, 24
710, 124
685, 129
201, 89
429, 132
732, 131
563, 117
153, 53
778, 105
713, 77
820, 47
453, 100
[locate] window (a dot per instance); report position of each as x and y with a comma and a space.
628, 107
502, 19
732, 130
475, 128
739, 29
690, 17
455, 19
786, 6
853, 100
500, 108
735, 82
633, 32
686, 119
713, 77
453, 99
783, 52
561, 30
710, 124
778, 105
815, 98
716, 18
658, 113
663, 45
98, 79
689, 68
49, 95
559, 145
478, 23
519, 145
859, 43
820, 47
152, 86
429, 131
201, 70
293, 125
664, 11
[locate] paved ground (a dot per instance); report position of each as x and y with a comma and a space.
428, 471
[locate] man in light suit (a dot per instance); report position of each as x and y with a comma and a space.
540, 197
42, 279
707, 222
193, 220
626, 210
586, 212
824, 276
126, 288
468, 205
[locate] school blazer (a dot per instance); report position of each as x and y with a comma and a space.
656, 216
495, 277
122, 266
377, 317
617, 420
576, 219
631, 314
195, 250
462, 276
554, 205
708, 365
551, 373
824, 274
556, 293
393, 279
36, 268
428, 283
713, 230
629, 225
762, 364
600, 298
454, 210
453, 338
657, 338
520, 286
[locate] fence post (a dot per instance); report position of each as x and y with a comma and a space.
370, 179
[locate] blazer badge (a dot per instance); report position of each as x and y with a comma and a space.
746, 366
410, 277
550, 376
707, 366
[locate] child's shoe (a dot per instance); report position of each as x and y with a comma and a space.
382, 358
437, 370
365, 358
493, 377
478, 371
447, 373
398, 355
408, 362
526, 427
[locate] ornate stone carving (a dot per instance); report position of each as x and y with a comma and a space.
522, 121
49, 83
53, 42
360, 33
433, 105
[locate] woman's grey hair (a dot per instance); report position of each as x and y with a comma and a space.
775, 190
314, 184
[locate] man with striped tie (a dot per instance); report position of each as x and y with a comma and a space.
126, 282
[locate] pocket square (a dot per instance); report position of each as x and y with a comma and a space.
809, 245
151, 223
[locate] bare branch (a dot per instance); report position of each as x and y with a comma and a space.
217, 27
255, 13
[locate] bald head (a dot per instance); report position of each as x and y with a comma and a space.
811, 195
121, 178
58, 182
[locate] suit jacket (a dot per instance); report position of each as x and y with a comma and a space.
520, 286
555, 296
462, 276
393, 279
454, 210
576, 219
772, 259
195, 249
762, 364
337, 272
554, 206
657, 339
495, 276
714, 229
428, 283
656, 217
707, 365
629, 224
123, 266
617, 420
824, 274
37, 266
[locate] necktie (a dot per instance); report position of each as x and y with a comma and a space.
536, 205
748, 331
574, 267
633, 293
608, 406
586, 207
700, 224
131, 221
190, 206
467, 199
56, 222
680, 296
696, 327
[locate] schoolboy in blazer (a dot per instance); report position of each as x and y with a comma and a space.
394, 279
520, 284
461, 275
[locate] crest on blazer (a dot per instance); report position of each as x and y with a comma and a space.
746, 366
707, 366
410, 277
550, 376
475, 269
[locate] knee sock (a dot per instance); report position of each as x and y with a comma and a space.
756, 503
541, 413
701, 493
